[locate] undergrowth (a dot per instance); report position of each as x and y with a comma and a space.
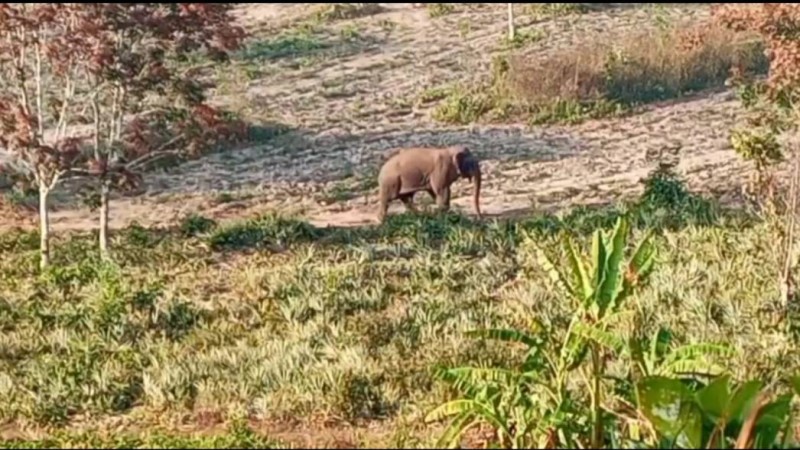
284, 319
602, 79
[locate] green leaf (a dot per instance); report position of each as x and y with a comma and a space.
611, 285
462, 383
773, 417
693, 351
574, 349
742, 401
602, 337
668, 405
644, 256
599, 258
451, 408
690, 367
556, 277
579, 272
452, 434
713, 399
478, 374
660, 343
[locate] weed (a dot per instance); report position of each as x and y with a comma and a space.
345, 11
523, 38
440, 9
351, 322
463, 106
549, 10
291, 44
269, 229
194, 225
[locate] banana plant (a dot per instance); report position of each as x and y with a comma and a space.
531, 406
654, 356
527, 407
600, 290
716, 416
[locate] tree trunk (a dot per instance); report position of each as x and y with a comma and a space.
104, 219
44, 227
511, 31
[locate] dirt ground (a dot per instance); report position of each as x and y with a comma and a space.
349, 109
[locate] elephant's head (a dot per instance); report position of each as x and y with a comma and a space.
468, 167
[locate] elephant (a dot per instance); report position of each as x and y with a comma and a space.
430, 169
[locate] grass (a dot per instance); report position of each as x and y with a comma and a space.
344, 11
605, 79
522, 38
239, 435
283, 319
549, 10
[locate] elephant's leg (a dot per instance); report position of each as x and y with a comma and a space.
385, 194
408, 201
443, 199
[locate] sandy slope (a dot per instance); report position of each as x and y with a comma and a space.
354, 106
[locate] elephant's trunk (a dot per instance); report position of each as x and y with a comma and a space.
476, 179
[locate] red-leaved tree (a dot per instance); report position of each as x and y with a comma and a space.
122, 64
138, 87
40, 52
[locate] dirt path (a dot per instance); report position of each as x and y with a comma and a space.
363, 100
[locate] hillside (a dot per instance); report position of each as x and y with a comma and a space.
350, 90
250, 300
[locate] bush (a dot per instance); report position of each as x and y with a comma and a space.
638, 70
608, 78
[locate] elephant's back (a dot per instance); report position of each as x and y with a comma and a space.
410, 167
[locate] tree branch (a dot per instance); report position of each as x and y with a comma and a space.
158, 153
38, 80
152, 157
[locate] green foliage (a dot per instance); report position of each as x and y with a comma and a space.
715, 415
523, 38
344, 11
440, 9
506, 400
547, 10
270, 229
759, 146
194, 225
239, 435
296, 43
574, 112
349, 322
463, 106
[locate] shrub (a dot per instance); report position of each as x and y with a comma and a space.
640, 69
345, 11
607, 78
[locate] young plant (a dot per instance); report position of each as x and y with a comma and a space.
532, 405
600, 298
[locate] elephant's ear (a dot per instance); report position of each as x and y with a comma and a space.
463, 161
